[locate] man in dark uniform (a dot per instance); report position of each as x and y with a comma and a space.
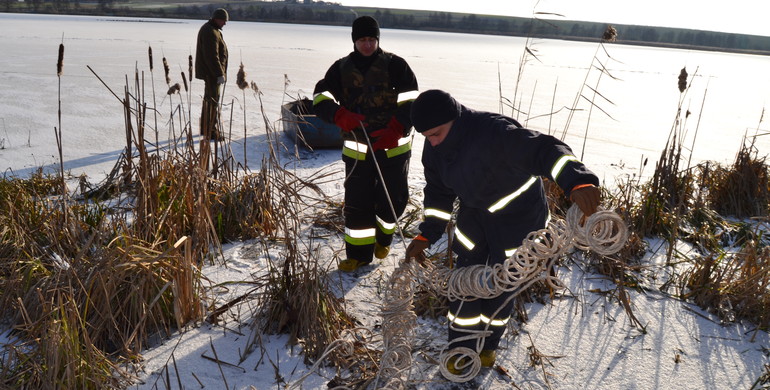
211, 67
368, 94
494, 166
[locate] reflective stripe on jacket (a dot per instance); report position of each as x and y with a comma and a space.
493, 165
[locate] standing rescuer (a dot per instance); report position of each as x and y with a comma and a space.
494, 166
374, 88
211, 67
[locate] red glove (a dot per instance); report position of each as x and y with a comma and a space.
388, 137
347, 120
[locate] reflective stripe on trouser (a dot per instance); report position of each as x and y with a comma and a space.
485, 239
479, 315
358, 150
367, 211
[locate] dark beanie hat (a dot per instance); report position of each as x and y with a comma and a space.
365, 26
433, 108
220, 13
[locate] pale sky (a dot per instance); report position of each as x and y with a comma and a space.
738, 16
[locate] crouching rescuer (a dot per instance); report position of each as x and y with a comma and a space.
368, 94
495, 168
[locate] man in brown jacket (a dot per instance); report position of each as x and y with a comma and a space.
211, 67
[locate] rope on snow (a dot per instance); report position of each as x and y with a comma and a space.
604, 232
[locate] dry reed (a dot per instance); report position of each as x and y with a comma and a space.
89, 291
742, 190
241, 78
83, 277
733, 286
166, 70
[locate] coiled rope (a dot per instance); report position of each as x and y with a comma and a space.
604, 232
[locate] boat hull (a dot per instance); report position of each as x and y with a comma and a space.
306, 129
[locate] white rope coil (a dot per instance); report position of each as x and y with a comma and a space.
528, 265
604, 232
398, 324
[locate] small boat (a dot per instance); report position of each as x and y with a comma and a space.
305, 128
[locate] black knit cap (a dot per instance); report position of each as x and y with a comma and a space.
220, 13
433, 108
365, 26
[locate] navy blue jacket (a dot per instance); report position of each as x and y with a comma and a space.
494, 166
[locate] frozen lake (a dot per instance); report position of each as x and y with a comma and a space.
595, 346
727, 98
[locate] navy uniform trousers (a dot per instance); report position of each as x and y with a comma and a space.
368, 215
484, 238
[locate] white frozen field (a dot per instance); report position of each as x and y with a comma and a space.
588, 337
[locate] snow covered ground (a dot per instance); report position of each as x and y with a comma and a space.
583, 334
585, 337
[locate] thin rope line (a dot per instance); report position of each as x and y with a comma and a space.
603, 232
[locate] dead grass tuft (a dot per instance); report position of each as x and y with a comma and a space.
735, 286
742, 190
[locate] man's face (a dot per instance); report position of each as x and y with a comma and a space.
437, 134
366, 45
220, 22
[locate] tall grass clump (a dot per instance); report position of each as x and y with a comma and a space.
47, 261
667, 196
730, 273
670, 194
297, 297
83, 293
735, 286
743, 189
90, 280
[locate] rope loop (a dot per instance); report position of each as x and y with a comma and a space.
464, 360
604, 232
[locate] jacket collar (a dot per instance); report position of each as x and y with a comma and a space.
363, 63
455, 138
214, 24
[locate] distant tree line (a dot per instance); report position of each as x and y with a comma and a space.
321, 12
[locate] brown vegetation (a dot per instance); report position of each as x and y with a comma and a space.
91, 279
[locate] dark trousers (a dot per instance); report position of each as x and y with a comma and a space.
491, 235
209, 122
365, 200
494, 309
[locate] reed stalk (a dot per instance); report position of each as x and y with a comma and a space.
243, 85
154, 101
190, 79
609, 35
58, 131
89, 285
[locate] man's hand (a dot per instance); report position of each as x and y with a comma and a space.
416, 248
347, 120
220, 80
388, 137
587, 198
